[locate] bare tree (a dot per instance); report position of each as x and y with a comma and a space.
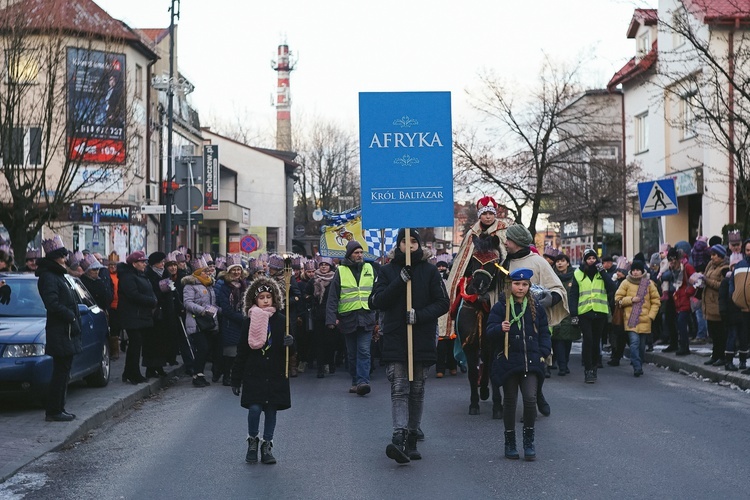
706, 74
530, 134
63, 117
329, 159
241, 128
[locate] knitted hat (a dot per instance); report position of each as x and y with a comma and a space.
486, 204
137, 256
156, 257
589, 252
354, 244
655, 259
519, 235
412, 233
324, 260
639, 256
714, 240
719, 250
638, 265
672, 254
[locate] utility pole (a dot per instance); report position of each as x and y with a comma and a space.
174, 14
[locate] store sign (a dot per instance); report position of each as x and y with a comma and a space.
688, 182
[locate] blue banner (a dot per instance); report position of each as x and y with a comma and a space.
406, 159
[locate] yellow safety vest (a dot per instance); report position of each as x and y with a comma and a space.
354, 295
592, 295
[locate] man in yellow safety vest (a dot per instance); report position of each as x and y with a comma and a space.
347, 309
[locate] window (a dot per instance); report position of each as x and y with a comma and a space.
22, 66
641, 132
643, 44
137, 155
23, 147
680, 26
138, 81
687, 111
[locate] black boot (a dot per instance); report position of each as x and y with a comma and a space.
729, 362
397, 449
542, 404
226, 379
743, 360
411, 446
497, 411
252, 450
529, 453
266, 457
510, 445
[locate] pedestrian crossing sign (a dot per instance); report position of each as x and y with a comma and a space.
657, 198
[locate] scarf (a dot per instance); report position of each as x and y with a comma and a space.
205, 281
678, 277
517, 318
236, 294
321, 282
518, 255
635, 313
260, 331
159, 271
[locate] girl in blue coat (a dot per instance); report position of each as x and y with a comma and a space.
519, 362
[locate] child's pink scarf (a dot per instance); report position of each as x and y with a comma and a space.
258, 333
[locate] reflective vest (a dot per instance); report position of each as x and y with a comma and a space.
592, 295
353, 295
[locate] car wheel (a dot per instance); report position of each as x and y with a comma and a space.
100, 377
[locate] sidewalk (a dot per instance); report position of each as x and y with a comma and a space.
693, 363
27, 436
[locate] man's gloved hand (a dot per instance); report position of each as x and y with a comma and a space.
574, 320
411, 316
236, 391
288, 340
600, 267
545, 300
5, 294
405, 273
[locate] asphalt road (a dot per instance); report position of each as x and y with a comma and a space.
662, 434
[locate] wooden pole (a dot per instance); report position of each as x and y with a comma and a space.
409, 329
288, 283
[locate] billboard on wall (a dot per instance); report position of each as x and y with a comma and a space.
96, 97
211, 177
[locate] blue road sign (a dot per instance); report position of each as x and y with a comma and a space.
657, 198
406, 159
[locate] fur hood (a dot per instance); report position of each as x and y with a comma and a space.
257, 282
192, 280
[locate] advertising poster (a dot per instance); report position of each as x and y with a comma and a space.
96, 106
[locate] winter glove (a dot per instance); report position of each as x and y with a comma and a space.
236, 391
5, 294
288, 340
411, 316
600, 267
545, 300
405, 273
574, 320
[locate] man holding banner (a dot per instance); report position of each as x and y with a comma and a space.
429, 302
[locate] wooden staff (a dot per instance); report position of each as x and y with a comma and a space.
287, 282
508, 295
409, 330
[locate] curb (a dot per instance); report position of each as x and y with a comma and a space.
84, 425
693, 363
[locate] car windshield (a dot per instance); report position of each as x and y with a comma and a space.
25, 301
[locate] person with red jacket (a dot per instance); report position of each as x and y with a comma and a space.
681, 271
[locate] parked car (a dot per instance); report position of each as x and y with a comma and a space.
25, 369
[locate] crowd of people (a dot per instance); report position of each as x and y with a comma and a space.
259, 322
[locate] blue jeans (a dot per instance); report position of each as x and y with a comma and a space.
358, 353
700, 320
253, 421
407, 398
637, 349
